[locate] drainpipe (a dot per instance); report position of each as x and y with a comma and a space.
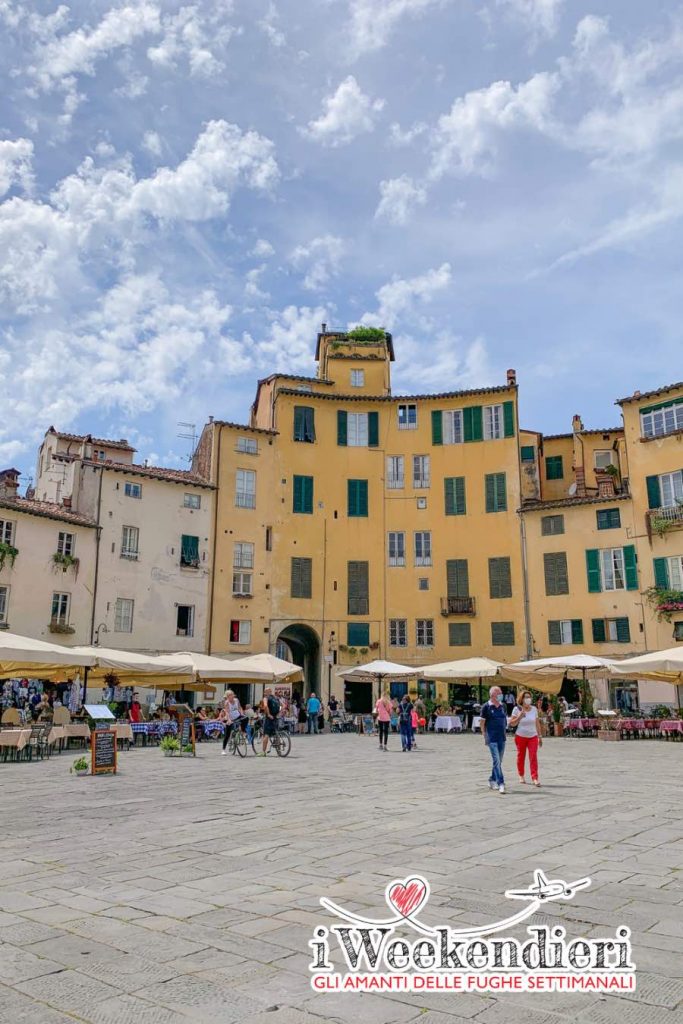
209, 631
97, 558
322, 636
525, 584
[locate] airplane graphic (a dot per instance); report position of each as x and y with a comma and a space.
548, 889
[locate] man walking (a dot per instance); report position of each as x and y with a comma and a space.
313, 707
494, 721
405, 718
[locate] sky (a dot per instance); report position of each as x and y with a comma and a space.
188, 191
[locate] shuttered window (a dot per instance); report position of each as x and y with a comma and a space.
611, 569
553, 467
555, 572
551, 526
397, 548
395, 469
608, 518
189, 550
495, 492
500, 580
358, 634
473, 423
304, 423
358, 497
565, 631
423, 547
302, 573
503, 634
527, 453
420, 471
612, 630
447, 427
459, 634
457, 577
358, 588
454, 495
669, 573
303, 494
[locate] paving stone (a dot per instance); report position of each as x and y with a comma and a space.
69, 991
17, 964
202, 999
24, 932
131, 1010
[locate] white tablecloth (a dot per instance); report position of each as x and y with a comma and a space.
476, 723
448, 722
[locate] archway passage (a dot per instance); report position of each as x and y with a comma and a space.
304, 644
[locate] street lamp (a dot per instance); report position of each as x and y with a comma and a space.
102, 627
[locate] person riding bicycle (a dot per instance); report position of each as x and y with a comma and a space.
231, 716
270, 706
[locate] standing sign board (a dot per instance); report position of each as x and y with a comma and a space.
185, 718
102, 739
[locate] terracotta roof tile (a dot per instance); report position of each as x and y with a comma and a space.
175, 476
105, 442
48, 509
338, 397
638, 396
533, 506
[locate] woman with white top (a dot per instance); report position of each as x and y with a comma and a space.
528, 738
231, 716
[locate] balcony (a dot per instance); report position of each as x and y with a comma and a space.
458, 606
659, 521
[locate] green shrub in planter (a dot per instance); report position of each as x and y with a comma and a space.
169, 745
80, 766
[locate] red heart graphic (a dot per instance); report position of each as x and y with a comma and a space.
408, 895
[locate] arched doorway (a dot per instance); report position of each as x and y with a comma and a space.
304, 644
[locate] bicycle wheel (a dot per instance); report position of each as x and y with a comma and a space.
257, 743
239, 745
282, 744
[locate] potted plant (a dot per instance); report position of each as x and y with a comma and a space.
7, 551
80, 766
169, 746
187, 749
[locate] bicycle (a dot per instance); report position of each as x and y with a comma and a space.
280, 742
237, 744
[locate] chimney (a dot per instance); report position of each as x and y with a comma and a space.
577, 423
66, 502
210, 419
605, 482
9, 483
324, 328
512, 378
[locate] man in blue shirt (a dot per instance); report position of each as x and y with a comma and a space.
313, 707
494, 721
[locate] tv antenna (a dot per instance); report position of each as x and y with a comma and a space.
190, 434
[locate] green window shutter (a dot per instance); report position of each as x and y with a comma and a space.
454, 495
623, 631
449, 495
457, 577
358, 588
352, 497
553, 467
630, 567
502, 634
577, 631
358, 634
298, 423
459, 634
527, 453
500, 582
661, 573
495, 492
358, 497
593, 571
509, 419
309, 424
552, 525
189, 550
608, 518
554, 633
460, 500
303, 494
437, 427
555, 573
301, 580
373, 429
473, 423
654, 492
599, 633
342, 427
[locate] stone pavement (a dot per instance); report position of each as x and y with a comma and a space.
187, 890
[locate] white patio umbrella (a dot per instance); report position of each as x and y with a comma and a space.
24, 656
664, 665
206, 667
263, 668
463, 668
549, 672
380, 670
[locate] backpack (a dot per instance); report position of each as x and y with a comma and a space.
405, 712
274, 706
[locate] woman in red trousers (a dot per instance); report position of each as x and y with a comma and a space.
528, 739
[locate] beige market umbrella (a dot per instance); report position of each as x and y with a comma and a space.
380, 670
206, 667
262, 668
666, 666
546, 674
24, 656
463, 668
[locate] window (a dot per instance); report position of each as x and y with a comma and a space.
457, 577
303, 495
123, 615
240, 631
602, 458
245, 489
398, 632
493, 422
665, 491
423, 547
4, 605
357, 436
423, 583
184, 625
304, 424
192, 501
66, 543
189, 551
358, 634
614, 630
555, 573
527, 453
420, 471
663, 419
397, 549
247, 445
502, 634
424, 632
60, 609
459, 634
678, 630
358, 588
407, 417
242, 584
452, 427
612, 569
130, 540
496, 497
552, 525
357, 429
669, 573
243, 555
500, 580
301, 577
553, 467
132, 490
395, 471
357, 378
565, 631
7, 531
99, 455
608, 518
454, 496
357, 497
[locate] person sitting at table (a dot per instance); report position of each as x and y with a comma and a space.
135, 711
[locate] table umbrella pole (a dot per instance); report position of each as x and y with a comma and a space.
85, 684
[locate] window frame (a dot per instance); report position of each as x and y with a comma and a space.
186, 560
421, 472
426, 628
131, 489
193, 501
189, 632
66, 546
238, 553
4, 603
552, 518
398, 628
557, 463
450, 431
243, 640
670, 481
244, 496
8, 529
608, 555
603, 451
132, 553
395, 483
63, 600
244, 575
306, 593
494, 422
499, 642
409, 421
357, 378
676, 424
398, 559
357, 430
247, 445
118, 617
425, 557
455, 627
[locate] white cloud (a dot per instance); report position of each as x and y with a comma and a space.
287, 346
188, 34
251, 287
399, 197
348, 112
262, 249
373, 21
320, 258
465, 140
152, 143
398, 137
540, 16
269, 25
398, 297
16, 160
444, 361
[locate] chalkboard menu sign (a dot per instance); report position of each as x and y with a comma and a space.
186, 734
185, 731
103, 744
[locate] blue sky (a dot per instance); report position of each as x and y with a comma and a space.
186, 192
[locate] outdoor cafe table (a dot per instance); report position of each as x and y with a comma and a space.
211, 727
56, 735
448, 723
124, 732
154, 729
639, 725
76, 731
582, 724
15, 739
676, 725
